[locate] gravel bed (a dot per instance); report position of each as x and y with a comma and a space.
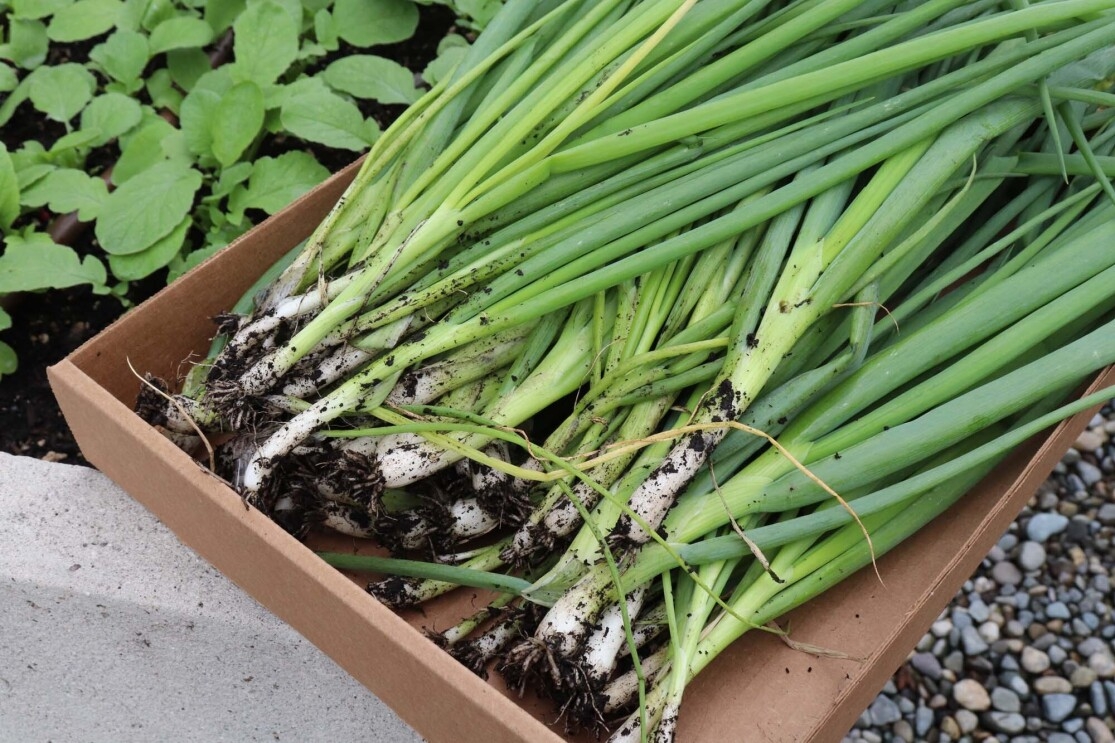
1026, 650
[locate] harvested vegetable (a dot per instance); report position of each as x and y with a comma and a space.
660, 317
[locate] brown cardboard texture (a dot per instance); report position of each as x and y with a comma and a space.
760, 690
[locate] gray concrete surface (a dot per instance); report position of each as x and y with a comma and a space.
112, 630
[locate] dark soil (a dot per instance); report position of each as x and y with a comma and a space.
47, 327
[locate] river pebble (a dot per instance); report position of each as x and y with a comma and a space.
971, 695
1099, 730
1056, 707
1052, 685
1005, 700
1035, 660
1031, 556
1042, 526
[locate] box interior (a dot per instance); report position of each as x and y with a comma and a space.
760, 690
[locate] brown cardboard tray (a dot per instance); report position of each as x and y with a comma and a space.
760, 690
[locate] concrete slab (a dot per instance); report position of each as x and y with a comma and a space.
112, 630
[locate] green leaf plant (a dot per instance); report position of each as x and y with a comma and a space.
170, 127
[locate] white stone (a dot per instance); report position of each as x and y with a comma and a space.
971, 695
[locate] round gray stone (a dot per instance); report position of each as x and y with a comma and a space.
1089, 473
1007, 722
972, 642
1031, 556
1091, 645
1006, 574
1005, 700
1044, 525
967, 720
1098, 699
1057, 707
883, 711
1058, 610
927, 665
1106, 514
978, 610
923, 720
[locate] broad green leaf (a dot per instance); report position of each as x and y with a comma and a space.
265, 42
229, 178
236, 121
443, 65
8, 79
31, 163
69, 190
198, 108
158, 11
315, 6
163, 93
147, 207
13, 101
181, 265
277, 181
33, 174
325, 30
143, 149
61, 91
9, 363
368, 76
131, 16
9, 189
187, 66
34, 262
5, 320
174, 148
135, 266
480, 11
180, 32
79, 140
84, 20
315, 114
27, 43
311, 51
37, 8
113, 114
211, 216
220, 15
122, 56
369, 22
293, 9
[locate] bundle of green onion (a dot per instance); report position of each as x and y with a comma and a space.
660, 317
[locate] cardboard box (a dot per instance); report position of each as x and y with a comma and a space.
761, 690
